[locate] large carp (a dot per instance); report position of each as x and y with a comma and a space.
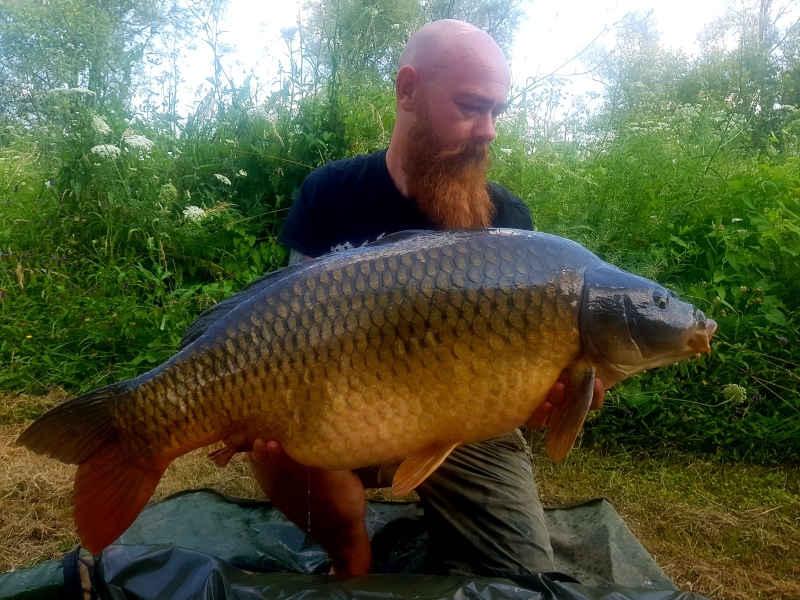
402, 349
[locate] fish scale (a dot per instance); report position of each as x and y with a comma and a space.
395, 344
405, 348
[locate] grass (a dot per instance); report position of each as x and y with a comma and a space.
727, 531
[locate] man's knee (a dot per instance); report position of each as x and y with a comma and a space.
483, 510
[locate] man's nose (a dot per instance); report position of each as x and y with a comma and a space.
484, 128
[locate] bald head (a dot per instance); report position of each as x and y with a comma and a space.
440, 45
452, 82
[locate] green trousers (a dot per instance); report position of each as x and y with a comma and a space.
482, 510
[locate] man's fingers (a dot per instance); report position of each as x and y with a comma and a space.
265, 451
557, 393
539, 419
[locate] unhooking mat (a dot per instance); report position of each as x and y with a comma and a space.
201, 544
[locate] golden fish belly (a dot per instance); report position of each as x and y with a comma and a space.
353, 364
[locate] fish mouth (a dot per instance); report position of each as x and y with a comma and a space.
700, 340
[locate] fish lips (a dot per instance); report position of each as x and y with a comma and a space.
700, 341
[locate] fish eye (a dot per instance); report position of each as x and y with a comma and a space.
660, 300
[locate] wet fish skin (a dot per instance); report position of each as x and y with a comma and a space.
405, 348
357, 362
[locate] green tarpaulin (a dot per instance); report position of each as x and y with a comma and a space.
202, 544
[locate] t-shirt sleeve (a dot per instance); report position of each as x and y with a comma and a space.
305, 229
511, 210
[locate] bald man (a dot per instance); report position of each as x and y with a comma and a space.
481, 505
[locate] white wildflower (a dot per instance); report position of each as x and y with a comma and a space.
288, 33
106, 150
505, 150
242, 173
194, 213
222, 178
736, 220
734, 393
137, 142
100, 126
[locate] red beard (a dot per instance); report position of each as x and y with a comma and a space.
448, 184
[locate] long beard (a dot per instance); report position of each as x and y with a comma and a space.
448, 184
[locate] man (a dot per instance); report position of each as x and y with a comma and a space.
481, 505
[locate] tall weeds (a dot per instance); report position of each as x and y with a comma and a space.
115, 234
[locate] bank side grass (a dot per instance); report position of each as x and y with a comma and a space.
729, 531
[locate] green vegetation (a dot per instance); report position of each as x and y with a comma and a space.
119, 221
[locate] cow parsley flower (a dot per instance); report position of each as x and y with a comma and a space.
734, 393
222, 178
194, 213
106, 150
168, 193
137, 142
100, 126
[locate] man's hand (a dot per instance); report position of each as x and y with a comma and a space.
557, 395
331, 503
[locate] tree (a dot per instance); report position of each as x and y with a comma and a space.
745, 57
93, 44
498, 18
362, 39
359, 40
641, 78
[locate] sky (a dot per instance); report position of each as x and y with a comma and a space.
552, 33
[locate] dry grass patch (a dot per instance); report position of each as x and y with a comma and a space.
727, 531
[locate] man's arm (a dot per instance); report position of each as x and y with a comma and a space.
328, 505
306, 227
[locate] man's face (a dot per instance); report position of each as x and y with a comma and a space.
446, 156
464, 100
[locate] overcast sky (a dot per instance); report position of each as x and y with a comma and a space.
552, 33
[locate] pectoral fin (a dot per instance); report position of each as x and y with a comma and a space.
416, 468
568, 416
233, 444
222, 456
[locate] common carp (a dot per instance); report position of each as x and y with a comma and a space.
405, 348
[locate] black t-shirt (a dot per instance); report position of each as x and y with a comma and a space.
348, 203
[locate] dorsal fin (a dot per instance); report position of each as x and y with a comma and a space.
398, 236
211, 315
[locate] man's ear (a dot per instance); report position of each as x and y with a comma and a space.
406, 84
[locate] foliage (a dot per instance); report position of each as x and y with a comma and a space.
116, 228
69, 44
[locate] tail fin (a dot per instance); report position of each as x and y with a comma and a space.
111, 486
73, 431
111, 489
